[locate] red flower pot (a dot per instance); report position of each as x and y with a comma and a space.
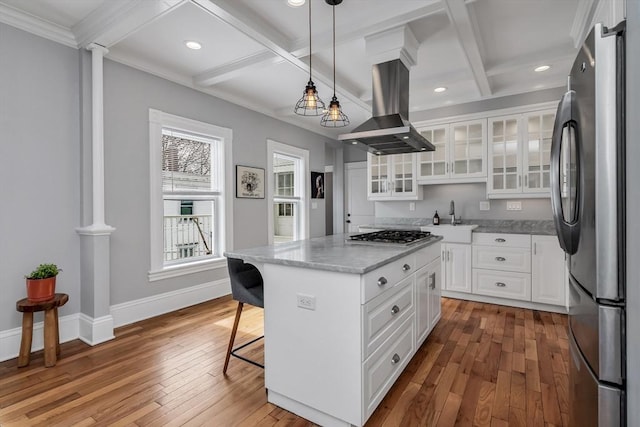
39, 290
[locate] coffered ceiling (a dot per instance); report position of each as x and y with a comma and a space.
255, 53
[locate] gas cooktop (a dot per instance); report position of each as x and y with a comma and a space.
391, 237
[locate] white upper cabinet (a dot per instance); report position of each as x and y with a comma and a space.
392, 177
519, 155
460, 155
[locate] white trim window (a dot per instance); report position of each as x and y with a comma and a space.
191, 219
287, 183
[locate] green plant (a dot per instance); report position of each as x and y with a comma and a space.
44, 271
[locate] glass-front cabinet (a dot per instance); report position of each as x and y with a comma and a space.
392, 177
519, 155
460, 154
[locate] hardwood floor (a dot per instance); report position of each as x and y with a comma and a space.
483, 365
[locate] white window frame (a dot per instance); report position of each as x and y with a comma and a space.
158, 120
301, 195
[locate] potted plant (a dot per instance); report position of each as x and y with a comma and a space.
41, 283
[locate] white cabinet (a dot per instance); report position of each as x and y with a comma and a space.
460, 154
519, 155
547, 271
392, 177
456, 267
428, 304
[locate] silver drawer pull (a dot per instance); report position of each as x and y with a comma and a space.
395, 310
382, 281
500, 284
499, 258
500, 240
432, 280
395, 359
406, 267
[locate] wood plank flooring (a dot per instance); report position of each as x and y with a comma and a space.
483, 365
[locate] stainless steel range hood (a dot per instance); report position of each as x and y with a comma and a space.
389, 130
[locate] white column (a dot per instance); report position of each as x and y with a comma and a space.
98, 225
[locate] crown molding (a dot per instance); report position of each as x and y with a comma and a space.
37, 26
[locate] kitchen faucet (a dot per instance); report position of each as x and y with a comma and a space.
452, 212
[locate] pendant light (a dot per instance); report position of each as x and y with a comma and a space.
334, 117
310, 104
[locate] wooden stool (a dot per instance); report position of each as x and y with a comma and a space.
51, 333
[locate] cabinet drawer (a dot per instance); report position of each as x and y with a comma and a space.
386, 277
507, 259
501, 239
426, 255
385, 365
382, 315
503, 284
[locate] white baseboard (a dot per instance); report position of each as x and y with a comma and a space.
145, 308
96, 330
10, 339
503, 301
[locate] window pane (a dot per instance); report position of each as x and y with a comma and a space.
188, 235
186, 163
284, 221
283, 168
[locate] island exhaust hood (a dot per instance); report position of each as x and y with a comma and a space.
389, 130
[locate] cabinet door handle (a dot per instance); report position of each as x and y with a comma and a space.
406, 267
499, 258
448, 255
382, 281
500, 284
395, 359
395, 310
446, 167
443, 257
534, 248
500, 240
519, 181
432, 280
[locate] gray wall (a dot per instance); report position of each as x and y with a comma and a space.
467, 199
129, 94
633, 212
40, 173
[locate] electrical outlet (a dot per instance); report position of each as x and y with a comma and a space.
514, 206
306, 301
412, 206
485, 206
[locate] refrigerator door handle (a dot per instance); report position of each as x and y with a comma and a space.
568, 233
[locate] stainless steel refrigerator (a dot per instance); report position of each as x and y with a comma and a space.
588, 201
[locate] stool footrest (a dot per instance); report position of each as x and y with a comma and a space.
233, 352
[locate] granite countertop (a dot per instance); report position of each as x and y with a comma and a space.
328, 253
509, 226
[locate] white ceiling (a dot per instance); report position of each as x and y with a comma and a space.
255, 52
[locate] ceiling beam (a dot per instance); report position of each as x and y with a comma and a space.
114, 20
36, 25
463, 25
236, 68
582, 21
254, 27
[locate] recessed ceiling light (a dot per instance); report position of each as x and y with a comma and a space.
405, 137
440, 89
295, 3
541, 68
192, 44
354, 142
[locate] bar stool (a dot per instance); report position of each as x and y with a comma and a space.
247, 287
51, 332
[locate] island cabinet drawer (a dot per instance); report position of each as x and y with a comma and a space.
507, 259
386, 277
386, 364
382, 315
502, 239
425, 255
503, 284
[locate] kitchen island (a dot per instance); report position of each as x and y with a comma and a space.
342, 321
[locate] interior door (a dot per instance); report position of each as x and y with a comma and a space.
360, 210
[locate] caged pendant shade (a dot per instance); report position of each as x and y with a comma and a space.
310, 104
334, 117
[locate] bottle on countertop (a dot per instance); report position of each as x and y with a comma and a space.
436, 219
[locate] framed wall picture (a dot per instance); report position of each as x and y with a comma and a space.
249, 182
317, 185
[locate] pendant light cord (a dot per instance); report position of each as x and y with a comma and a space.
310, 40
334, 49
